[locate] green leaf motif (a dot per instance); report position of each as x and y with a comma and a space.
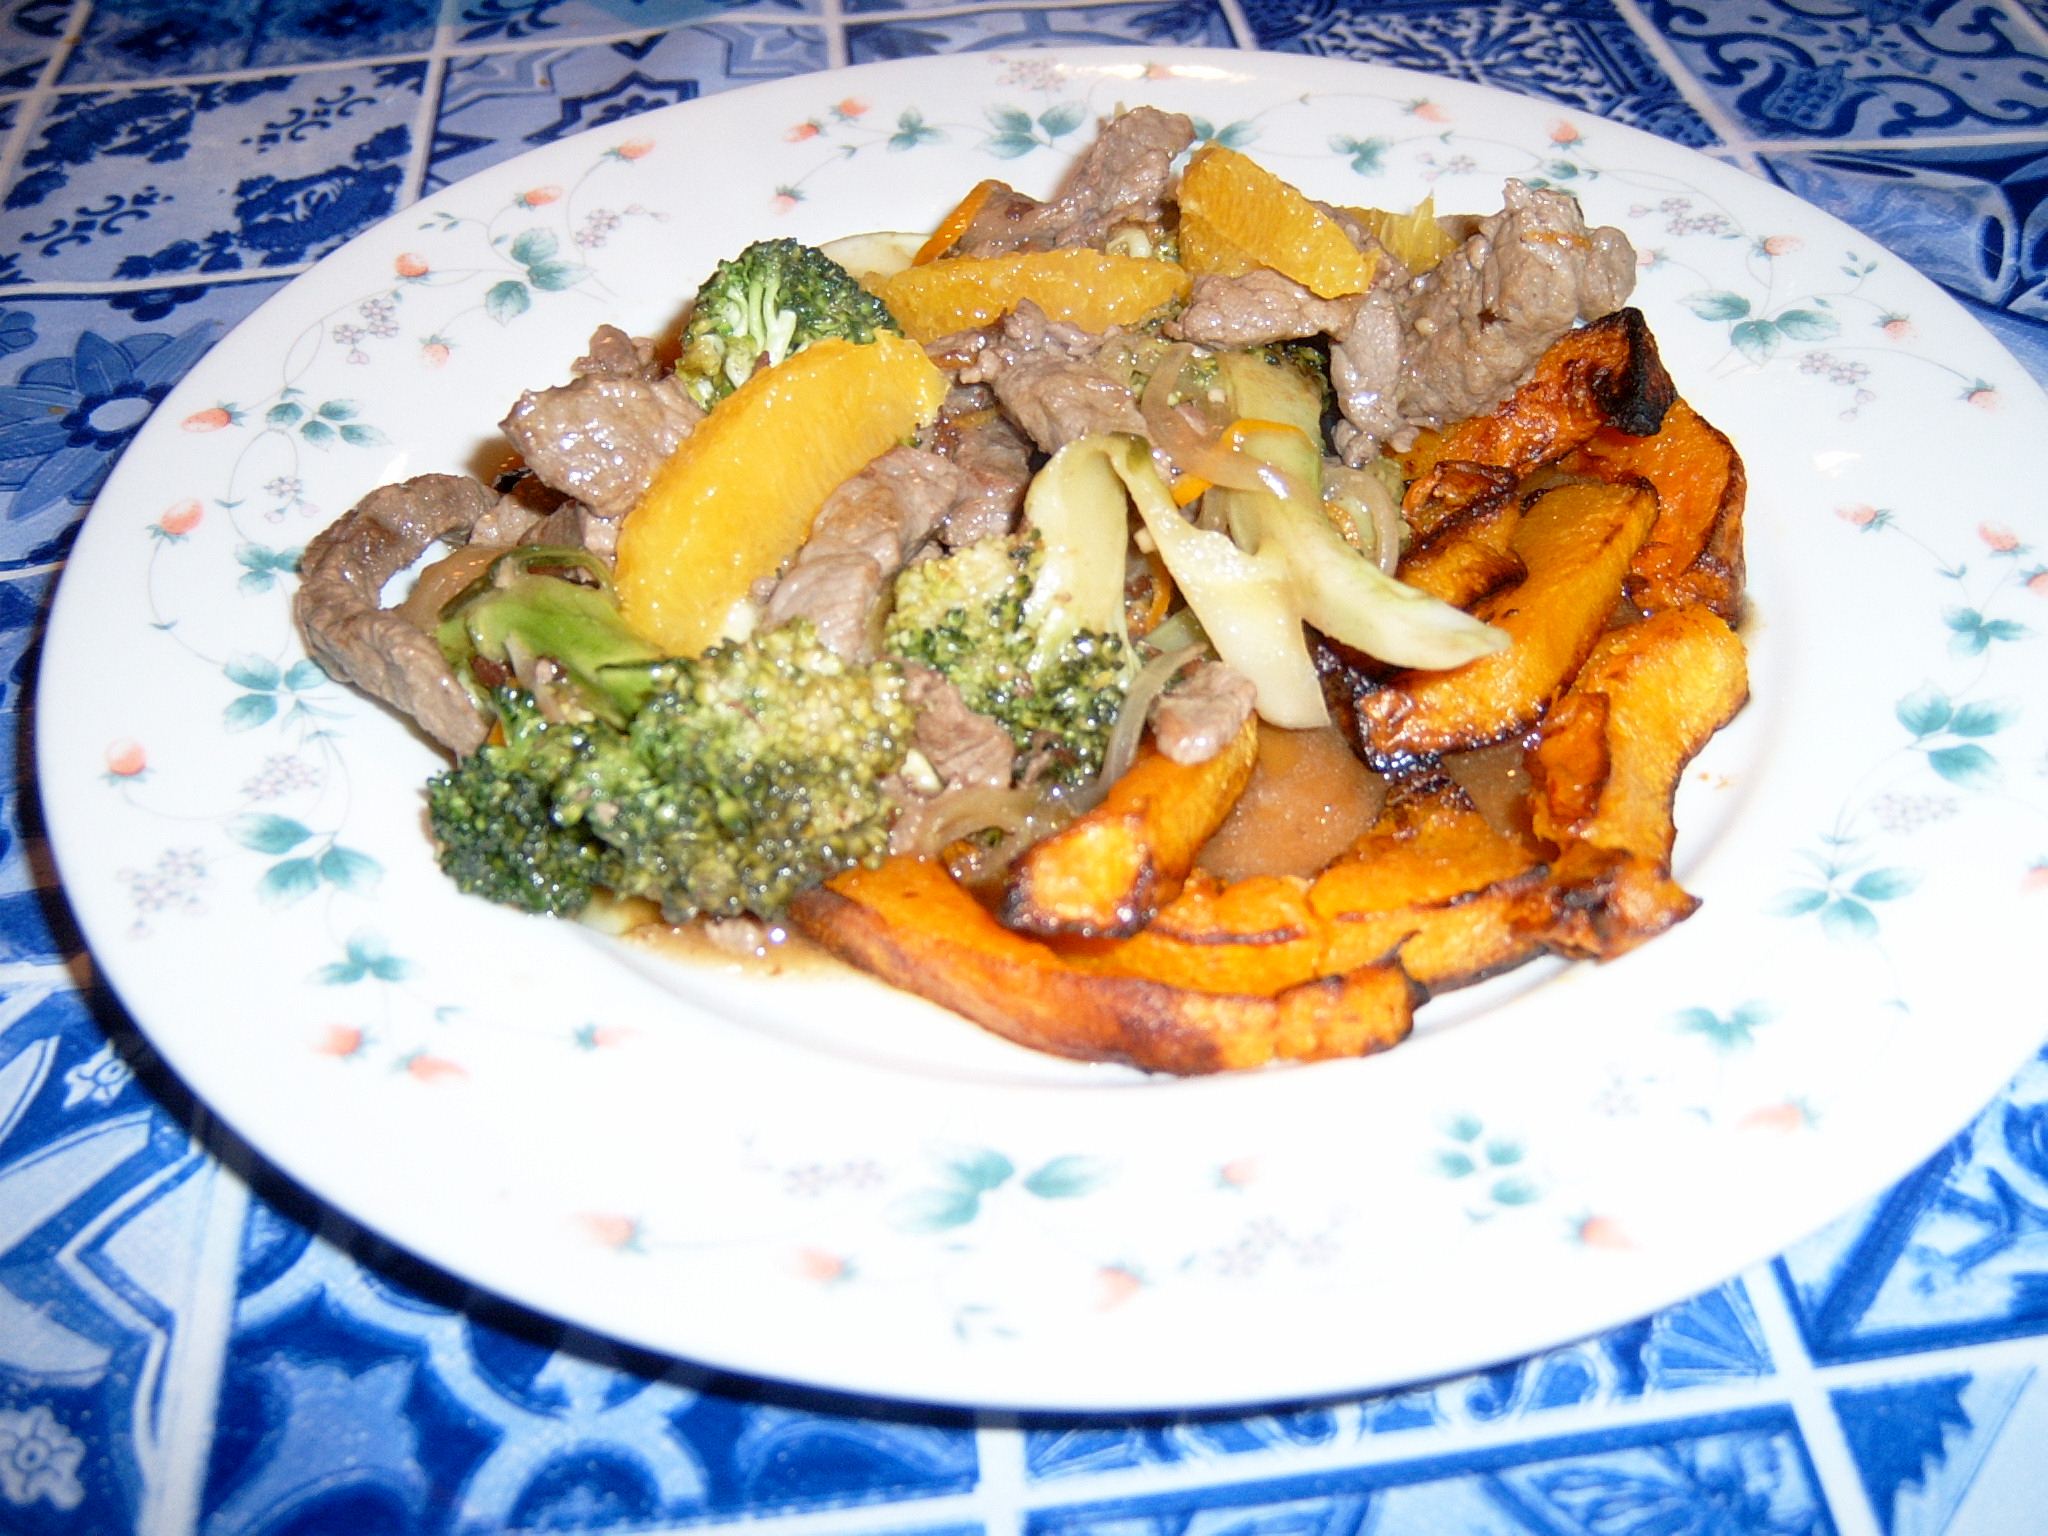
1515, 1192
1066, 1177
357, 435
268, 834
534, 245
293, 880
347, 870
1010, 120
507, 301
1885, 884
1062, 119
339, 410
1986, 719
936, 1210
1808, 325
1503, 1153
978, 1168
1925, 711
305, 674
318, 433
1848, 920
911, 131
256, 581
1968, 765
1754, 339
1717, 304
249, 711
1008, 146
1454, 1165
1797, 903
366, 956
1231, 135
1463, 1128
283, 414
249, 670
554, 276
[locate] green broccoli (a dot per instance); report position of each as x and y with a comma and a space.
724, 784
1055, 686
493, 816
774, 298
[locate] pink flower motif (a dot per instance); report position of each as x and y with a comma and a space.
181, 519
853, 106
434, 353
211, 419
1791, 1115
1983, 396
126, 760
1999, 537
803, 131
1238, 1172
434, 1069
2036, 878
2038, 584
609, 1230
785, 199
635, 149
1781, 245
1428, 111
1159, 72
1861, 517
539, 197
411, 264
824, 1268
1562, 132
1116, 1285
1897, 327
1604, 1232
340, 1041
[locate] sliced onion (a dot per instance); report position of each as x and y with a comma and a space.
924, 827
1175, 436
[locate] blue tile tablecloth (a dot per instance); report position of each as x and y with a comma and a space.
189, 1345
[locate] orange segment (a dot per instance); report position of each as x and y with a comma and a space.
1415, 238
735, 500
1204, 250
954, 225
1093, 289
1271, 223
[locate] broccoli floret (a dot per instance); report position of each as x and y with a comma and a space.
493, 816
774, 298
754, 773
970, 615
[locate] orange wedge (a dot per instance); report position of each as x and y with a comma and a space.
1203, 249
1271, 223
735, 500
1093, 289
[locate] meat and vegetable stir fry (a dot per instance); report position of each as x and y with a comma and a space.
1179, 622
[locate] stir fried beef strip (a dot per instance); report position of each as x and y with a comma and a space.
864, 534
995, 466
341, 582
1122, 180
1480, 320
964, 748
1202, 713
1257, 308
1045, 375
602, 436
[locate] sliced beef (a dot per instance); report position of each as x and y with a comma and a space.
864, 534
1122, 179
995, 465
1365, 375
341, 583
1202, 713
1478, 322
964, 747
1259, 307
1046, 377
602, 436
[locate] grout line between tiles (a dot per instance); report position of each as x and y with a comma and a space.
1240, 26
36, 101
1696, 95
1841, 1485
833, 20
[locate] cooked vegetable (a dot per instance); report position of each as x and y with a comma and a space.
1106, 875
772, 300
1235, 215
734, 502
1093, 289
493, 815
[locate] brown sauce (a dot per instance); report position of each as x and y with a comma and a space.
1308, 800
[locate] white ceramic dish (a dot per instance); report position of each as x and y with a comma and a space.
811, 1177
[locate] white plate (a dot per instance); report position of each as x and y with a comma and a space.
811, 1177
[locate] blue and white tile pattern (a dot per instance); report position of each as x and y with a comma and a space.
188, 1347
